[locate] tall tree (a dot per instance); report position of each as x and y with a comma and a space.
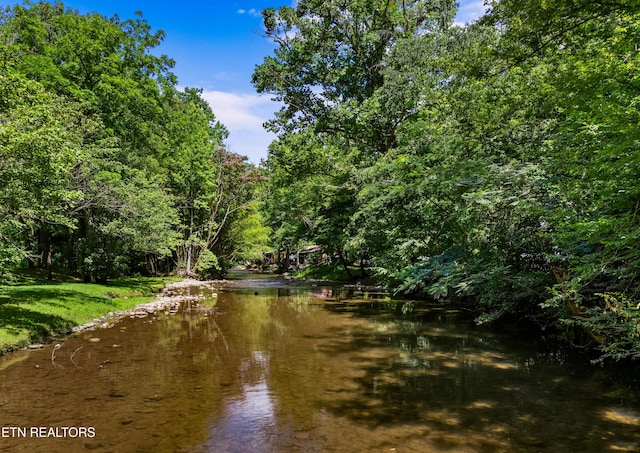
104, 68
326, 70
329, 60
39, 149
592, 155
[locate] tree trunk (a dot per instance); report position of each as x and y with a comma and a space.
83, 233
363, 267
190, 243
45, 249
283, 263
31, 263
49, 265
345, 265
153, 264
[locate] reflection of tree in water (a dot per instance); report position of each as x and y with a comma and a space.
319, 370
333, 364
470, 391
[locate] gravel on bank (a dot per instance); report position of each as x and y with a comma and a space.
168, 301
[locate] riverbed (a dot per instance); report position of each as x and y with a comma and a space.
263, 364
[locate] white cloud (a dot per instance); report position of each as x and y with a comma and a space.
244, 114
252, 12
235, 110
470, 11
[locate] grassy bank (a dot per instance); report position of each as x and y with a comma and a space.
331, 273
34, 310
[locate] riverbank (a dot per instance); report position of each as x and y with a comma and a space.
34, 310
168, 300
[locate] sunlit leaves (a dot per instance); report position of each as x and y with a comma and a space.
491, 159
101, 150
38, 148
331, 55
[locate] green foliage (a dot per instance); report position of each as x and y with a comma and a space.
493, 166
329, 60
107, 168
325, 272
36, 180
617, 320
249, 236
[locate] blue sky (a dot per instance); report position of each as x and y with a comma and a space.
216, 45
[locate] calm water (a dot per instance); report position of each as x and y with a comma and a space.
261, 365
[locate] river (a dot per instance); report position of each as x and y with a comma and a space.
262, 364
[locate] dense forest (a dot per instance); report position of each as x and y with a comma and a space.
494, 165
106, 168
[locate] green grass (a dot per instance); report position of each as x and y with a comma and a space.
326, 272
34, 310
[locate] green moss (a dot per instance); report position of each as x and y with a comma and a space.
32, 310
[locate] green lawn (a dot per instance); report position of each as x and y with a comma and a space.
34, 310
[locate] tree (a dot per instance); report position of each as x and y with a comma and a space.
106, 63
327, 69
39, 150
329, 60
139, 146
590, 155
493, 165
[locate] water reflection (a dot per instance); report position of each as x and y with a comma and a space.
265, 365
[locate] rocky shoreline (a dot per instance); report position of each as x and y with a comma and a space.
168, 301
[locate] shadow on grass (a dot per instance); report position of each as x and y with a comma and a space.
18, 314
27, 277
145, 286
31, 306
47, 295
40, 326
